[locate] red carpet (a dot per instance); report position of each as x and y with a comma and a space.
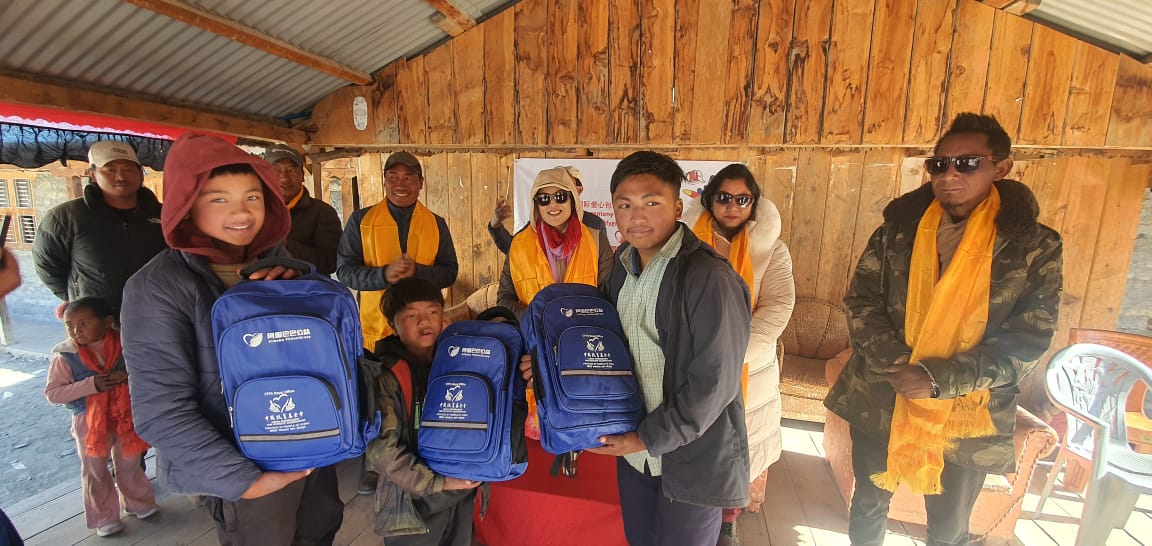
539, 509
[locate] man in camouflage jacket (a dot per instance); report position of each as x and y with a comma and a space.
1025, 295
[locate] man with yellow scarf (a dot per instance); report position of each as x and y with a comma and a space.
953, 301
391, 241
388, 242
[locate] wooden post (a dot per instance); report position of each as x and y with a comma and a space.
318, 181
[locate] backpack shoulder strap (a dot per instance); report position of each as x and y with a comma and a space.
404, 376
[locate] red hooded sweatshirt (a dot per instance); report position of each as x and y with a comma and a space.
186, 170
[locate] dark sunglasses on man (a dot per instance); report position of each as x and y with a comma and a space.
963, 163
743, 200
544, 199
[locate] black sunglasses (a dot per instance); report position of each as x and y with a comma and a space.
963, 163
742, 200
544, 199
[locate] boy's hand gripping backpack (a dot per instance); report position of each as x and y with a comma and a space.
290, 367
471, 422
582, 373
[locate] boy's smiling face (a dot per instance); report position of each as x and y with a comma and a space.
646, 212
230, 209
419, 324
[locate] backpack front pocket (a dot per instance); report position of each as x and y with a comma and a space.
458, 415
286, 417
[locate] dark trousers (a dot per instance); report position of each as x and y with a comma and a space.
446, 527
948, 513
652, 519
307, 512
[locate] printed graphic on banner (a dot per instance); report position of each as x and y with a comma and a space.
596, 176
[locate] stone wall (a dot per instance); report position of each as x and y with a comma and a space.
1136, 310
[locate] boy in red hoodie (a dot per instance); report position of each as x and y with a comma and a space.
222, 211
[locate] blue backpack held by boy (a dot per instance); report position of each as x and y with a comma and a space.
471, 423
290, 367
582, 372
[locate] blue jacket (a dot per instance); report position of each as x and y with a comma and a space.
702, 316
178, 403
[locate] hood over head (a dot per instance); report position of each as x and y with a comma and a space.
559, 178
190, 160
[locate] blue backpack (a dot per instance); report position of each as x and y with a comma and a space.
290, 367
472, 420
582, 371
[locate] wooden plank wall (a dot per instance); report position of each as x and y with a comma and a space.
831, 104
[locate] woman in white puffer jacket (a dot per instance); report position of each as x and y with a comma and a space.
743, 226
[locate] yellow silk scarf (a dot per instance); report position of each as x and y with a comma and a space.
942, 318
529, 267
740, 258
381, 244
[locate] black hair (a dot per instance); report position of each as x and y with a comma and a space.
99, 307
967, 123
406, 291
233, 168
735, 171
499, 312
646, 162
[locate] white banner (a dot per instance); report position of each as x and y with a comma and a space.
596, 174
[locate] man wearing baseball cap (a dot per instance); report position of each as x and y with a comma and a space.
316, 227
89, 246
393, 240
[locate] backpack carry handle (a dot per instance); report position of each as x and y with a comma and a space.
302, 266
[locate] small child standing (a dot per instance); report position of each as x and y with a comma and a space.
87, 375
443, 506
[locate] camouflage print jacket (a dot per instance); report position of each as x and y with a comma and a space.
1025, 298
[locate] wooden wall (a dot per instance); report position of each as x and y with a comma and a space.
832, 105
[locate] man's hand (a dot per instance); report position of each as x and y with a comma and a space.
271, 482
9, 272
503, 212
274, 273
453, 484
107, 382
118, 375
401, 268
619, 444
912, 382
526, 367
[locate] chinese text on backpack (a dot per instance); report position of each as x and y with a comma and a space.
582, 372
289, 363
472, 418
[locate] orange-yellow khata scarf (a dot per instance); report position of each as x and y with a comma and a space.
381, 244
740, 258
943, 317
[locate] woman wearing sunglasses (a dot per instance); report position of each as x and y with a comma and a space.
744, 227
555, 246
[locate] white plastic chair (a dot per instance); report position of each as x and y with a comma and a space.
1090, 383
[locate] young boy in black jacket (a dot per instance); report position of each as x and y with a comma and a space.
686, 315
414, 309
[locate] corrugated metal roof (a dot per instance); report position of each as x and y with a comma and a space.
362, 34
114, 45
1123, 25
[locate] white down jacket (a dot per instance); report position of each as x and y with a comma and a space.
775, 298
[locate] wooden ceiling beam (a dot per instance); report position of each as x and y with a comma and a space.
205, 20
1018, 7
72, 98
451, 18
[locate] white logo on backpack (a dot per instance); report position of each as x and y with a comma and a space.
254, 340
